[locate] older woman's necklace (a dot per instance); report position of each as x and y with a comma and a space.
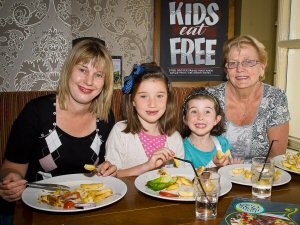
245, 111
245, 105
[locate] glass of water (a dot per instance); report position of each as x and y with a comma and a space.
206, 201
262, 177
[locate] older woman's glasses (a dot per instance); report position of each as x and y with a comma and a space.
245, 63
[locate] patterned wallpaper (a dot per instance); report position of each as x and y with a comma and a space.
35, 36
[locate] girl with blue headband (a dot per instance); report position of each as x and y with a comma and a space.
147, 139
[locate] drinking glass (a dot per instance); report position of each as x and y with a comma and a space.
206, 201
262, 177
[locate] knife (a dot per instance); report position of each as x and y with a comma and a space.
47, 186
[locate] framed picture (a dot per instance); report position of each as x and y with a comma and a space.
117, 63
189, 36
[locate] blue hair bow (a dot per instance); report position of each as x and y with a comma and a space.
129, 80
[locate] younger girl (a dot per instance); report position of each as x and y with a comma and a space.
202, 125
148, 138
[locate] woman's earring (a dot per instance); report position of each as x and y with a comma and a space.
261, 77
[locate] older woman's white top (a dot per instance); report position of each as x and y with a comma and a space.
251, 140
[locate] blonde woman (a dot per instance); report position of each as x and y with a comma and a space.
58, 134
255, 113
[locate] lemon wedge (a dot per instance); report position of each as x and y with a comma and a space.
177, 162
209, 186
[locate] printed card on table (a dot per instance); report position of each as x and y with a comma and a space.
244, 211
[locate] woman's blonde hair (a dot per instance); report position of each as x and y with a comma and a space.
87, 51
239, 41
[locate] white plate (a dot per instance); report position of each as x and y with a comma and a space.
278, 159
30, 195
240, 178
140, 183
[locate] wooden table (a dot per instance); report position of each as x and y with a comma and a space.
137, 208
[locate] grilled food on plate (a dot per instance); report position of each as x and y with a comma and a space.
171, 186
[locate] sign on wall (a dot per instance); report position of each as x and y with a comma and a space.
117, 64
192, 34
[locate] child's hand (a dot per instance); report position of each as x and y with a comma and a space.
107, 169
159, 157
223, 161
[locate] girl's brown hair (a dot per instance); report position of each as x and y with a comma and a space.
201, 93
167, 123
87, 51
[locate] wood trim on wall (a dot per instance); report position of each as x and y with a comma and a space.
156, 36
231, 19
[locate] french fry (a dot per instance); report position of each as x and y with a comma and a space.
80, 190
220, 154
88, 199
179, 181
186, 193
247, 174
186, 181
99, 198
295, 168
277, 174
173, 187
292, 161
100, 192
286, 164
238, 170
89, 167
92, 186
228, 153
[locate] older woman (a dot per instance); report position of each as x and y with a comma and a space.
59, 134
255, 113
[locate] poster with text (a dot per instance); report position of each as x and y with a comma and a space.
192, 36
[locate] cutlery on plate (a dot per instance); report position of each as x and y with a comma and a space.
47, 186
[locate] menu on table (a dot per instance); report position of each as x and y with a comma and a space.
244, 211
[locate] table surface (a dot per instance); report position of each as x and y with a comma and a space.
138, 208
